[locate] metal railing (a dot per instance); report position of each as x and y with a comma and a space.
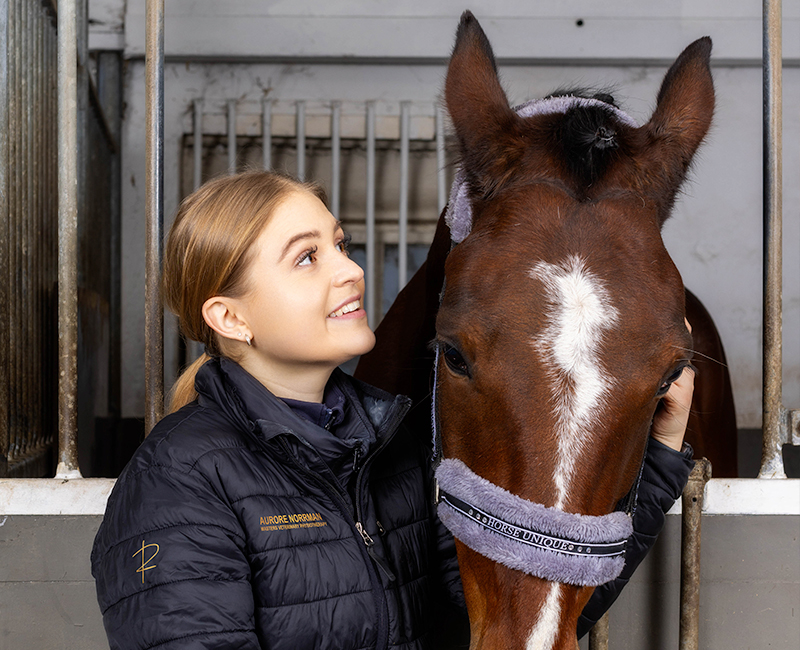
28, 232
59, 178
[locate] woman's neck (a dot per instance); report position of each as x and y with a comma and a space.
305, 383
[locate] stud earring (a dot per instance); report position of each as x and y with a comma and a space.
240, 335
247, 338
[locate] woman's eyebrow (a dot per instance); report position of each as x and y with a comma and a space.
311, 234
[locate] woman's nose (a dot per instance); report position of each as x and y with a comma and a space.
348, 272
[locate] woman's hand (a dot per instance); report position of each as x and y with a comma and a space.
669, 422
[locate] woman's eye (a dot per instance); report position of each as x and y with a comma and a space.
343, 245
306, 257
455, 361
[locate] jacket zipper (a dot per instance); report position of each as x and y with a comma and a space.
392, 428
369, 543
356, 517
361, 473
382, 631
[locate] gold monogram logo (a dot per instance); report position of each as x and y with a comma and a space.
144, 567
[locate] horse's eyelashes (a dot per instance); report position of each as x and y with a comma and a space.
455, 361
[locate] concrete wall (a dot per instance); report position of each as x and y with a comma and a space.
47, 595
356, 51
749, 594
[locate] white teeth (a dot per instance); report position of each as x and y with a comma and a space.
356, 304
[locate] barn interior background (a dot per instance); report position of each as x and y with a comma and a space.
229, 63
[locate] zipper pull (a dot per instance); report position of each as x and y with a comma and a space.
356, 458
381, 529
368, 541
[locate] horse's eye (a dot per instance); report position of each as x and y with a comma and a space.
455, 361
664, 388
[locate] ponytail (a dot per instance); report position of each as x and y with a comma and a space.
183, 391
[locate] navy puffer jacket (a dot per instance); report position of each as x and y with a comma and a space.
227, 530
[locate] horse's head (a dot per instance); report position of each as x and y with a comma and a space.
562, 319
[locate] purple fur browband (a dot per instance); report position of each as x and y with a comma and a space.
459, 211
527, 536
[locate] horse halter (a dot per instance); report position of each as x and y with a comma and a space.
545, 542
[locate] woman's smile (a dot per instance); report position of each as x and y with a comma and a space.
351, 309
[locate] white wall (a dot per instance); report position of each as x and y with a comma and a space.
546, 30
715, 233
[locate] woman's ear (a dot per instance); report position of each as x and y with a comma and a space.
221, 314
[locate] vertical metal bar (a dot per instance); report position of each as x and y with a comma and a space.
14, 210
266, 132
301, 140
193, 348
691, 517
67, 240
84, 153
34, 118
598, 635
197, 178
440, 158
5, 227
16, 245
231, 136
336, 157
402, 224
24, 269
154, 214
110, 90
771, 457
372, 308
52, 231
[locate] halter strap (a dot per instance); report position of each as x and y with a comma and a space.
531, 536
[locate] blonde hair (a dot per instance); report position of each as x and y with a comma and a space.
209, 249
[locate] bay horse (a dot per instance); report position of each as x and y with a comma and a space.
559, 326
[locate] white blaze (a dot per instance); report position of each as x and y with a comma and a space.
545, 631
579, 314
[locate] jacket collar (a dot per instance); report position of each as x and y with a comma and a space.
247, 402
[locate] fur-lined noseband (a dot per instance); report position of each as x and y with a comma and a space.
527, 536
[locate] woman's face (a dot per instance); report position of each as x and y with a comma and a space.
304, 300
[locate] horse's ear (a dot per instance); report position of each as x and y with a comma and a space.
682, 118
475, 99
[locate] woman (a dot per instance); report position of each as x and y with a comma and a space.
281, 504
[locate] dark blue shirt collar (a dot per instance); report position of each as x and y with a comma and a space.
328, 415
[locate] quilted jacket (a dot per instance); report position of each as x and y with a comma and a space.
228, 530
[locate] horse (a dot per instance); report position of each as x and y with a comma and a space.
557, 321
